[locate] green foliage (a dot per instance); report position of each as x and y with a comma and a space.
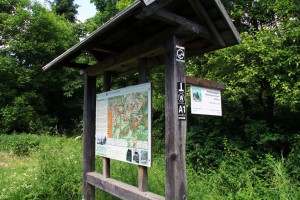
9, 142
53, 170
252, 152
33, 36
122, 4
60, 160
261, 100
65, 8
106, 9
20, 145
103, 5
54, 173
293, 159
28, 119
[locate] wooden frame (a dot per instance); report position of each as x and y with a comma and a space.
175, 137
155, 31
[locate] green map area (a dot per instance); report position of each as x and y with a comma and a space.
129, 117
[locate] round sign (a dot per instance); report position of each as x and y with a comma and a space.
180, 54
181, 98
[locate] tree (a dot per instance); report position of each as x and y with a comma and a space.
106, 9
66, 8
261, 103
32, 36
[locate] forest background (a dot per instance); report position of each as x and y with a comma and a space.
258, 134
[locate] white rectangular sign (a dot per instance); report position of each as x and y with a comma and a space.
123, 124
205, 101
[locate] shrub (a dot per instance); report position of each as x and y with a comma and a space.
20, 145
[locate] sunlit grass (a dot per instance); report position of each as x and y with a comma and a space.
16, 173
52, 169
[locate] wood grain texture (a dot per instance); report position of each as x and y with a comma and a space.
205, 83
89, 112
176, 183
120, 189
205, 18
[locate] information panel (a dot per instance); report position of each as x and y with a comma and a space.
206, 101
123, 124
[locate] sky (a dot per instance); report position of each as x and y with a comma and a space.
86, 9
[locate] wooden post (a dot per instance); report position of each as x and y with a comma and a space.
106, 161
175, 125
89, 112
142, 171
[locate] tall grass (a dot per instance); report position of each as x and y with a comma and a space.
52, 169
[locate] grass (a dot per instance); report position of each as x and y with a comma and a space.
49, 167
16, 174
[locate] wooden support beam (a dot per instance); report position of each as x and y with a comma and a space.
120, 189
143, 178
175, 129
96, 55
225, 15
202, 14
148, 10
106, 161
142, 170
132, 34
174, 19
140, 50
143, 70
205, 83
89, 112
76, 65
107, 49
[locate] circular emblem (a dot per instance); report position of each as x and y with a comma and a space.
180, 54
181, 98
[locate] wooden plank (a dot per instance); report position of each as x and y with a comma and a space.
148, 10
120, 189
142, 170
152, 45
106, 167
143, 72
225, 15
175, 129
172, 18
205, 83
201, 13
89, 112
133, 35
143, 178
76, 65
107, 49
106, 161
95, 54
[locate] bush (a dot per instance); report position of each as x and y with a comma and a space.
23, 115
293, 159
20, 145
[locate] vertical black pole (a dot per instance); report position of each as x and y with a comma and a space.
89, 112
175, 119
106, 161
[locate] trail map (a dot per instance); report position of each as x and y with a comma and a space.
123, 124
